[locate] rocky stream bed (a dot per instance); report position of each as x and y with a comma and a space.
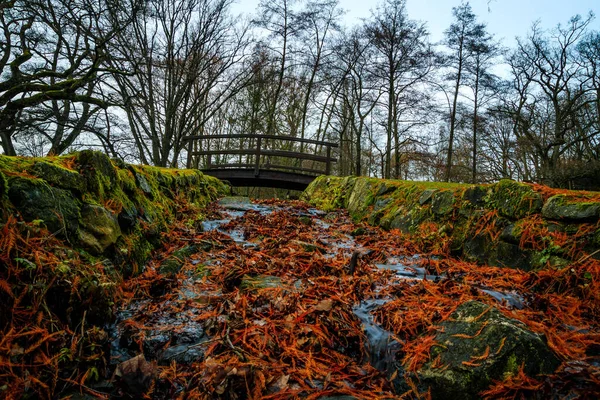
280, 300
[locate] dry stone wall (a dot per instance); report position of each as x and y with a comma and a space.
507, 224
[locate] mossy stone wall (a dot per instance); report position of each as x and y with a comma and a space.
104, 208
508, 223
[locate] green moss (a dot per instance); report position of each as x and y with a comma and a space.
36, 200
126, 180
512, 366
514, 200
561, 207
467, 333
328, 193
3, 185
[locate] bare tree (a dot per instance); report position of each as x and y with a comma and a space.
459, 39
184, 62
554, 92
52, 57
405, 59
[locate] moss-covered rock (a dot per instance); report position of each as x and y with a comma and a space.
560, 207
426, 196
407, 222
3, 185
329, 193
501, 224
478, 345
361, 197
98, 171
177, 259
474, 195
514, 200
442, 202
143, 184
510, 255
99, 229
56, 208
115, 210
251, 283
59, 176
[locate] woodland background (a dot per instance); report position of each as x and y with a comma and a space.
134, 77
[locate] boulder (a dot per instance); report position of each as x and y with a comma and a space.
478, 345
559, 207
99, 229
36, 200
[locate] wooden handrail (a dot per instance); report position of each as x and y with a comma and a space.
252, 136
259, 152
273, 153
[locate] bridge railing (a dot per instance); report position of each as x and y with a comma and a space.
261, 152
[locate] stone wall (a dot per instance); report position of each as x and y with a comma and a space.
104, 208
507, 224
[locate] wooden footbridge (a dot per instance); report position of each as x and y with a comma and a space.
261, 160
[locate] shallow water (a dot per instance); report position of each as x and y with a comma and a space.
177, 336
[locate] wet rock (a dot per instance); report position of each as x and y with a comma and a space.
142, 183
384, 188
99, 229
472, 331
252, 283
511, 256
560, 208
182, 354
407, 222
380, 204
442, 202
361, 197
128, 219
514, 200
36, 200
511, 234
475, 195
135, 376
426, 196
59, 176
173, 264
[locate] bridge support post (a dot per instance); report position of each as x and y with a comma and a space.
328, 163
257, 160
190, 149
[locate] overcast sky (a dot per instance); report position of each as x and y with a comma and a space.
506, 19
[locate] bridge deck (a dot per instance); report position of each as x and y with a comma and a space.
265, 178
